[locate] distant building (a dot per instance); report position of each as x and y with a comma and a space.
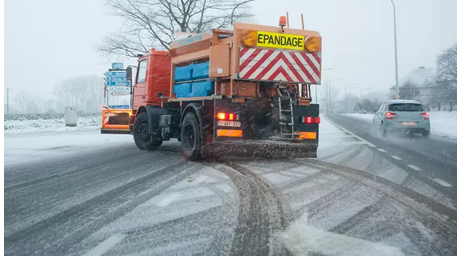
423, 79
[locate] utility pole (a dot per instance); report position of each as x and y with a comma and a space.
396, 58
7, 100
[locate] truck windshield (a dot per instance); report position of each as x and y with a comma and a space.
142, 71
406, 107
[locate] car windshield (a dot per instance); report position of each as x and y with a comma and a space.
406, 107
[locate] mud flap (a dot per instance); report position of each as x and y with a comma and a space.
116, 121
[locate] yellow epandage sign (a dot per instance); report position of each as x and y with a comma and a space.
278, 40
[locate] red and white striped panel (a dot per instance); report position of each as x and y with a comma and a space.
273, 65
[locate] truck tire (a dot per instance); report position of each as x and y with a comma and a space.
191, 138
141, 136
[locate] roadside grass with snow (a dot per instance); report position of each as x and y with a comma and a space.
18, 124
443, 123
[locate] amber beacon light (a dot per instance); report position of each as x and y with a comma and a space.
249, 38
313, 44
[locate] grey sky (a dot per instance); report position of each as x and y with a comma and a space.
48, 41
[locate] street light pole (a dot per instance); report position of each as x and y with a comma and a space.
396, 59
329, 85
236, 6
345, 96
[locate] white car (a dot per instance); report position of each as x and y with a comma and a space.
408, 116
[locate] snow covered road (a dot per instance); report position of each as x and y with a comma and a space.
84, 193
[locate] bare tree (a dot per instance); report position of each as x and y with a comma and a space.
446, 77
152, 23
408, 90
29, 103
447, 64
83, 92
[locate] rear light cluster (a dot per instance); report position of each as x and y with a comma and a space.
311, 120
425, 115
390, 115
227, 116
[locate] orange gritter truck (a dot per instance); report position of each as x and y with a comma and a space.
245, 92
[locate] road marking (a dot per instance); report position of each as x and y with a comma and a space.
344, 130
169, 199
382, 150
414, 167
442, 183
396, 157
106, 245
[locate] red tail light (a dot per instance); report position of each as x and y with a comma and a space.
226, 116
390, 115
311, 120
425, 115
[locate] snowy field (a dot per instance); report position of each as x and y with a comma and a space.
442, 123
17, 124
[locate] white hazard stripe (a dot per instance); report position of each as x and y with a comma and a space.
246, 55
304, 77
263, 65
307, 67
297, 74
278, 64
313, 59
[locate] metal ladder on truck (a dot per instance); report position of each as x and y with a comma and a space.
286, 112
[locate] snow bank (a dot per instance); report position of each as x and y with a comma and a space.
364, 117
15, 124
443, 123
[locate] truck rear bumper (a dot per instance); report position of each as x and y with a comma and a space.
262, 148
115, 131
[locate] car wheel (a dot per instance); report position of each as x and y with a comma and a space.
383, 130
425, 133
143, 139
191, 140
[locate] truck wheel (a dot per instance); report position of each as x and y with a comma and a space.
190, 137
143, 139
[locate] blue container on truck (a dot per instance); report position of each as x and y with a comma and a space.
183, 90
199, 89
200, 70
183, 73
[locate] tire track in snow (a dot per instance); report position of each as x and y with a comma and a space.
97, 212
263, 212
387, 187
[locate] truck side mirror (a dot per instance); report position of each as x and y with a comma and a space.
129, 73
